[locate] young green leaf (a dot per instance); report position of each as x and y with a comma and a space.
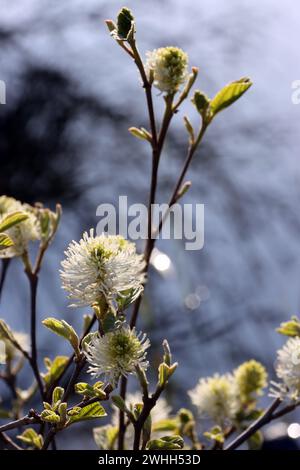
215, 434
5, 241
62, 328
90, 391
12, 219
142, 133
166, 443
92, 411
54, 369
201, 102
125, 24
50, 417
57, 395
189, 128
229, 94
32, 438
255, 441
290, 328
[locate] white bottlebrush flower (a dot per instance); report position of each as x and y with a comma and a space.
102, 268
22, 233
168, 65
116, 353
288, 370
215, 398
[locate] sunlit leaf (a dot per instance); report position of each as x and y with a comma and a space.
229, 94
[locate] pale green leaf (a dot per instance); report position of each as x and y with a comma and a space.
92, 411
290, 328
166, 443
229, 94
54, 369
12, 219
5, 241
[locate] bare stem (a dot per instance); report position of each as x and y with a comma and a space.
149, 404
8, 441
26, 420
265, 418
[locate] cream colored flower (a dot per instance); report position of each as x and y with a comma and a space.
215, 398
168, 65
117, 353
288, 370
102, 268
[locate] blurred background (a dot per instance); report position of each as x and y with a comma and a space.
72, 94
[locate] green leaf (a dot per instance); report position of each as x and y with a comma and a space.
90, 391
142, 133
92, 411
215, 434
62, 411
12, 219
50, 417
256, 441
137, 409
57, 395
54, 369
62, 328
166, 443
185, 416
165, 372
31, 438
168, 424
5, 241
229, 94
189, 128
125, 24
74, 411
201, 102
290, 328
167, 352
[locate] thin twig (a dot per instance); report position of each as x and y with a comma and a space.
149, 404
265, 418
7, 440
19, 422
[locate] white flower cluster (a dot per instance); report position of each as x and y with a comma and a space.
222, 397
288, 371
215, 397
116, 353
22, 233
101, 269
168, 65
